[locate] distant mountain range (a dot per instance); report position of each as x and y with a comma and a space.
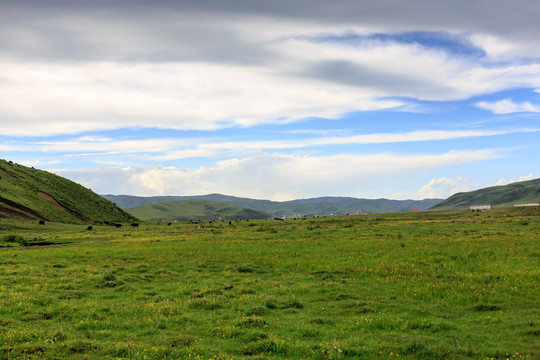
194, 210
32, 194
308, 207
505, 195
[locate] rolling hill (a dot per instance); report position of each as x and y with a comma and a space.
33, 194
505, 195
309, 207
194, 210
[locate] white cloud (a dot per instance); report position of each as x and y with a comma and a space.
507, 106
194, 82
503, 181
52, 99
444, 187
39, 163
271, 176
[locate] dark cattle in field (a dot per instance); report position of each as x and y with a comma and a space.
135, 225
169, 224
118, 225
89, 228
41, 222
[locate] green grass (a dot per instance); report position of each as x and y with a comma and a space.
410, 286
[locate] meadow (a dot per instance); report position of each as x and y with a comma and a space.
439, 285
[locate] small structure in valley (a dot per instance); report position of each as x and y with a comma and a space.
480, 207
527, 204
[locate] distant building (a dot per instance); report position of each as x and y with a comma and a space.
528, 204
480, 207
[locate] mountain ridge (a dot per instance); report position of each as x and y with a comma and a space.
312, 206
499, 195
186, 210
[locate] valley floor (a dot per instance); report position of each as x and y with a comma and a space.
407, 286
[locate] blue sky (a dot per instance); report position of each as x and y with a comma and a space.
273, 100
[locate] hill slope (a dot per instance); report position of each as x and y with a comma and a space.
505, 195
316, 206
194, 210
29, 193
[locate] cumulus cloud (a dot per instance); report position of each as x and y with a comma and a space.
503, 181
444, 187
271, 176
508, 106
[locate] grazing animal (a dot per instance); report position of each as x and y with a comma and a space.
135, 225
230, 223
118, 225
89, 228
41, 222
169, 224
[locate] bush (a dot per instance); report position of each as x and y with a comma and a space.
16, 239
13, 238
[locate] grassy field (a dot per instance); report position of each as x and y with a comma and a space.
408, 286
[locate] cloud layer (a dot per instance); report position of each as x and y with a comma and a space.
75, 67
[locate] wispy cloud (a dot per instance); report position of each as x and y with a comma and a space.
508, 106
164, 149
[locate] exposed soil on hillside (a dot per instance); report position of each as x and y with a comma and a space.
60, 206
6, 213
26, 211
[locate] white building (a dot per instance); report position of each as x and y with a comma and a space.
480, 207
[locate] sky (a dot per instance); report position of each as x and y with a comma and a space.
273, 100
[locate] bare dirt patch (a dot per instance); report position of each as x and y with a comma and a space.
12, 213
58, 205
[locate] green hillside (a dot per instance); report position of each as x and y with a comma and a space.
309, 207
506, 195
33, 194
194, 210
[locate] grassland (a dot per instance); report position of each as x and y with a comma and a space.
410, 286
